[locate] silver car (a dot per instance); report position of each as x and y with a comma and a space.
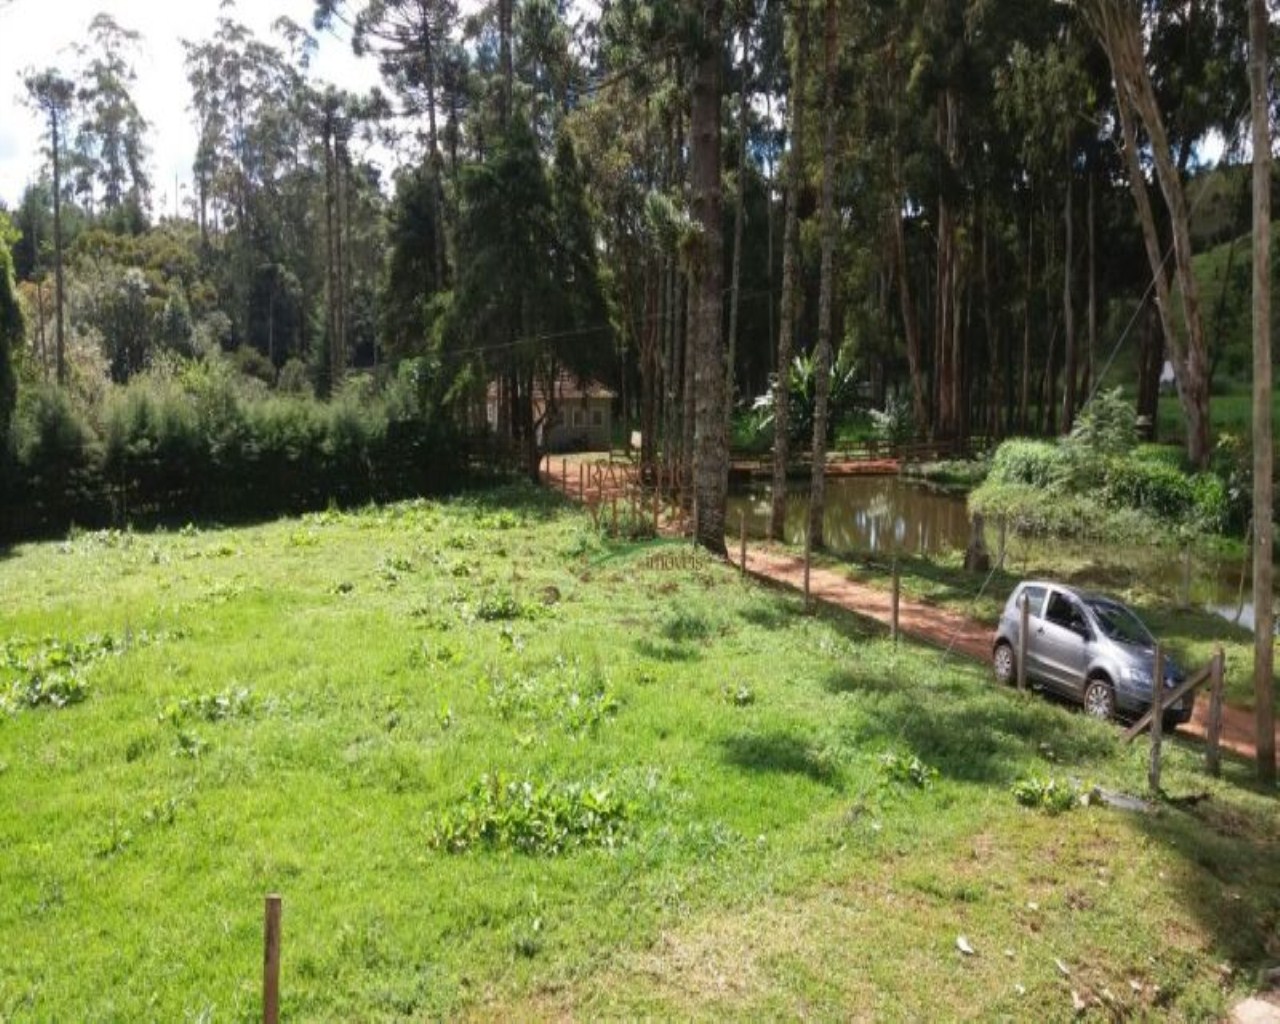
1085, 646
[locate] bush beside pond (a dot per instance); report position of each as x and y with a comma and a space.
1099, 482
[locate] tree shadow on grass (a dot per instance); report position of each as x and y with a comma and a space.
967, 732
1230, 872
778, 752
667, 650
538, 504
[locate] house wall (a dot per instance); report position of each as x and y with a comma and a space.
582, 426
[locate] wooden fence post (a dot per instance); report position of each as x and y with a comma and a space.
693, 524
564, 475
613, 505
1157, 720
742, 549
808, 555
582, 483
1024, 627
271, 962
897, 596
1213, 736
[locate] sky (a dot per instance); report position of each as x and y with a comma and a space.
43, 33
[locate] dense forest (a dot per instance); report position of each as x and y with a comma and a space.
961, 209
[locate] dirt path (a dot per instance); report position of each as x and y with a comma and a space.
939, 627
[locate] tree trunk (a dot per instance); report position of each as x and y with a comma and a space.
738, 216
946, 375
790, 254
711, 462
1263, 497
1119, 28
1150, 363
504, 60
1093, 287
60, 351
330, 262
768, 223
1048, 415
823, 357
1024, 392
688, 387
910, 325
1068, 309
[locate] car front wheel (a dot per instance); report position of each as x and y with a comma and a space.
1099, 699
1006, 670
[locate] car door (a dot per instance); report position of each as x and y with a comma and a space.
1060, 643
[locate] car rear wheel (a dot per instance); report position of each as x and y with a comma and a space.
1099, 699
1005, 664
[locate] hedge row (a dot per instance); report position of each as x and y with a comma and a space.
161, 451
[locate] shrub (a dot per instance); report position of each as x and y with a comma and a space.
1154, 487
1024, 461
1168, 454
295, 378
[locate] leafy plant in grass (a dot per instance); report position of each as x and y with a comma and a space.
51, 673
1048, 795
212, 707
578, 701
502, 605
532, 818
904, 770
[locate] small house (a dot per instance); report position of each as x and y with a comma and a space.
583, 414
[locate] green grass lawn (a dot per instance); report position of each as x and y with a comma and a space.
499, 768
1231, 413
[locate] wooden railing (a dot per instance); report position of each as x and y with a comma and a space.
1213, 674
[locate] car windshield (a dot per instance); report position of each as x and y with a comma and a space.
1120, 624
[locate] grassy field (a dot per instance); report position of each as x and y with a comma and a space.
1230, 413
500, 768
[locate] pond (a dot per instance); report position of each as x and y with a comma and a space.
876, 515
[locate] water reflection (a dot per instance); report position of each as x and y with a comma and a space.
864, 514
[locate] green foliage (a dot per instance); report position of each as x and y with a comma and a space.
1097, 483
842, 401
51, 673
205, 442
1021, 461
899, 768
11, 332
212, 707
894, 423
532, 818
1103, 433
1048, 795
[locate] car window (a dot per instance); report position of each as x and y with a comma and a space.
1062, 611
1035, 600
1120, 624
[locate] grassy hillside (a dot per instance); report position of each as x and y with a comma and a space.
498, 767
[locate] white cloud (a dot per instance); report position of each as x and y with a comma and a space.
40, 33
